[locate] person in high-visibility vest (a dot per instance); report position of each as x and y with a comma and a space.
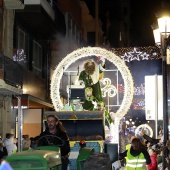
137, 157
129, 144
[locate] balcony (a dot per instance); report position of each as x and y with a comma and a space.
41, 18
11, 77
14, 4
44, 4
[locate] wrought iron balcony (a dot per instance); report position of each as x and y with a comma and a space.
11, 72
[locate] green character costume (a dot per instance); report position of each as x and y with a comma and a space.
91, 76
89, 103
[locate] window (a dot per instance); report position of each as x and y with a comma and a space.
20, 54
37, 59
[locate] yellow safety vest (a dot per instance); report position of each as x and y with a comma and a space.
128, 146
135, 162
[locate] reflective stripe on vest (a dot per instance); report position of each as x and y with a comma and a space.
135, 161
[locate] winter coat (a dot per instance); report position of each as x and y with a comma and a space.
153, 165
65, 149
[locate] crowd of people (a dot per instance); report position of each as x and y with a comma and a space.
54, 134
141, 152
145, 152
9, 145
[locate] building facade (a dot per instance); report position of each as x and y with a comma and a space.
34, 37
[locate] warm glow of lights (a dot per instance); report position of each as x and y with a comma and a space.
144, 127
22, 107
144, 53
157, 36
164, 24
25, 90
89, 51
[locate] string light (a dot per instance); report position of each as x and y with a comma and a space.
94, 51
139, 53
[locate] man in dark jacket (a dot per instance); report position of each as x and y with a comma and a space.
58, 137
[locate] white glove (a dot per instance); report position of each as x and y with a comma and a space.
95, 104
100, 58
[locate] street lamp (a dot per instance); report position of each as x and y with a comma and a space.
161, 36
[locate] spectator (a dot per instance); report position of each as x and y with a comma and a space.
137, 156
153, 165
1, 144
148, 145
3, 151
26, 142
5, 166
9, 144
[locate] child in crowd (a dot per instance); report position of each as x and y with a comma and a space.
26, 142
153, 165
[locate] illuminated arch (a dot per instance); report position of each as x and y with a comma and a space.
97, 51
144, 127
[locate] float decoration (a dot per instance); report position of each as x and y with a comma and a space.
93, 51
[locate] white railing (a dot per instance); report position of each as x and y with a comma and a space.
14, 4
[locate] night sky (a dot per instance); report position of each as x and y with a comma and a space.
142, 16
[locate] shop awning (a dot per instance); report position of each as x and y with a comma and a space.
31, 102
6, 89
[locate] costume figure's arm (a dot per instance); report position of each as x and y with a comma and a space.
102, 65
81, 76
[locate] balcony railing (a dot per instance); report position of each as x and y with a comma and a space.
11, 72
46, 4
14, 4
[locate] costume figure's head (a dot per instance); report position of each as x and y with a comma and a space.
100, 105
88, 92
89, 67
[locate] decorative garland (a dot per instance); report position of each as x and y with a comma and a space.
97, 51
138, 54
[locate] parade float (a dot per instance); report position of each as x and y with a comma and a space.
90, 125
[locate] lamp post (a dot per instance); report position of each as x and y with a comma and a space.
161, 36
